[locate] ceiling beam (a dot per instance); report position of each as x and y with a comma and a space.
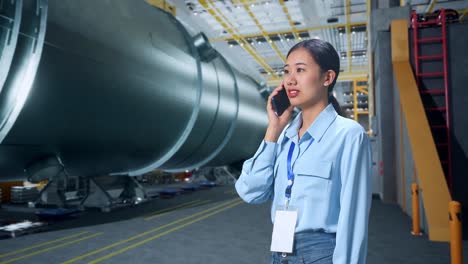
217, 14
264, 34
282, 32
431, 5
291, 23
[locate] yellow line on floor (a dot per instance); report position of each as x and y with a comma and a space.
42, 244
184, 207
167, 211
147, 232
120, 251
50, 248
170, 208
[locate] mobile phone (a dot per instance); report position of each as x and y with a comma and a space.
280, 102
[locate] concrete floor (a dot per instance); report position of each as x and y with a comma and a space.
207, 226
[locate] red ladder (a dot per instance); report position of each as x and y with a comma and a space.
443, 144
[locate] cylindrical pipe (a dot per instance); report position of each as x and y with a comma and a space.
127, 92
415, 199
456, 253
24, 63
10, 12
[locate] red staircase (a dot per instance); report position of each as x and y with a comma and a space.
433, 82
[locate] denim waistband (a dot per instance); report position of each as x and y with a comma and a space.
312, 234
309, 241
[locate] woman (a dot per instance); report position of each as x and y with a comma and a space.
321, 159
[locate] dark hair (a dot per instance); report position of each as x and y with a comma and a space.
327, 58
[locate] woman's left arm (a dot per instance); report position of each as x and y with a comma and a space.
355, 201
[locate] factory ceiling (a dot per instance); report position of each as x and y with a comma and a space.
256, 34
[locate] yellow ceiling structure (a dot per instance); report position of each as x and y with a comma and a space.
261, 32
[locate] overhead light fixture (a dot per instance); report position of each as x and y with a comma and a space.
341, 33
354, 32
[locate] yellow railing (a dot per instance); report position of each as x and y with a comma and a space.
359, 88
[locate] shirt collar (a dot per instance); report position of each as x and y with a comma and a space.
318, 127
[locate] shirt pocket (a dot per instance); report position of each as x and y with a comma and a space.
313, 176
313, 168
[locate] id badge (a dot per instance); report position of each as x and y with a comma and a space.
282, 239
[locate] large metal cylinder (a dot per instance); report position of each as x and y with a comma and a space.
120, 88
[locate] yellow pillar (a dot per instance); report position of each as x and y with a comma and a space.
416, 229
456, 253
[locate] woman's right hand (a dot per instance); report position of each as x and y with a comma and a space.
276, 124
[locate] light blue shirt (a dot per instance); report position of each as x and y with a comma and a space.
332, 183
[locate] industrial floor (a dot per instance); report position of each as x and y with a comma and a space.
206, 226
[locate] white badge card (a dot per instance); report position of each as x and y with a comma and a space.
283, 231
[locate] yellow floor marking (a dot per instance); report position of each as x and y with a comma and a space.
162, 234
178, 207
147, 232
170, 208
40, 245
49, 249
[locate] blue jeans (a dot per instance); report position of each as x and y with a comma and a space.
309, 247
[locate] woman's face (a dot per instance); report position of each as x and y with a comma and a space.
303, 80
